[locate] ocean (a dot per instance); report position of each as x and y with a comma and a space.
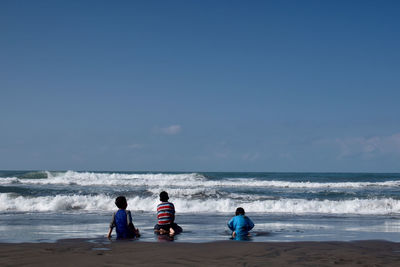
46, 206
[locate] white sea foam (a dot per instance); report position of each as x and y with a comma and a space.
9, 180
187, 180
10, 202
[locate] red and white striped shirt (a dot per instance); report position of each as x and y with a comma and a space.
165, 213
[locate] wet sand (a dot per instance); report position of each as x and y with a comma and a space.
103, 253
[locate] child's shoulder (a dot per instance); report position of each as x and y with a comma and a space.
122, 211
165, 203
248, 219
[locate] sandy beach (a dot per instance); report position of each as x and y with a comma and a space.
84, 253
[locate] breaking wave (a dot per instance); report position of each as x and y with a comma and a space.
186, 180
385, 206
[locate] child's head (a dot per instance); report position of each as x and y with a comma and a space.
164, 196
239, 211
121, 202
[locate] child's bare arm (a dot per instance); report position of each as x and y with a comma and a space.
112, 225
109, 233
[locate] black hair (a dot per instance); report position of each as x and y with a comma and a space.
164, 196
239, 211
121, 202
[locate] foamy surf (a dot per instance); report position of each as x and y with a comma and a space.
100, 203
184, 180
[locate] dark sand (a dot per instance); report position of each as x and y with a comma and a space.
84, 253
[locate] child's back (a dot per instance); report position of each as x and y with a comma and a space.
166, 217
240, 225
121, 221
165, 213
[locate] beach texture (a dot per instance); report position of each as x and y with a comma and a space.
84, 253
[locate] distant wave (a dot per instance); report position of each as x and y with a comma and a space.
385, 206
186, 180
9, 180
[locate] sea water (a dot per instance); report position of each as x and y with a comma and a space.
45, 206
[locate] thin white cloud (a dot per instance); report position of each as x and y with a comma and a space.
285, 155
172, 129
250, 156
369, 147
135, 146
221, 155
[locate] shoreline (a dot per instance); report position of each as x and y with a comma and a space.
101, 252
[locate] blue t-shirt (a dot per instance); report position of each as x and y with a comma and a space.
240, 224
120, 221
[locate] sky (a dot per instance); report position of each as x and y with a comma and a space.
264, 86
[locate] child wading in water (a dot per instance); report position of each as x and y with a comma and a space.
240, 225
166, 217
122, 221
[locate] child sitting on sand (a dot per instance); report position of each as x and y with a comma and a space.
166, 217
240, 225
122, 221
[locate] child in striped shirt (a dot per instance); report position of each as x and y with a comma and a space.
166, 217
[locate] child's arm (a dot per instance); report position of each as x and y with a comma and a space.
230, 225
112, 225
130, 223
109, 233
173, 212
250, 224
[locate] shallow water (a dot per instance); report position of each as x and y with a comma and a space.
50, 227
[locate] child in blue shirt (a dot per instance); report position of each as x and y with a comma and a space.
122, 221
240, 225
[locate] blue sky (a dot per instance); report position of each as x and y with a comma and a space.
200, 85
